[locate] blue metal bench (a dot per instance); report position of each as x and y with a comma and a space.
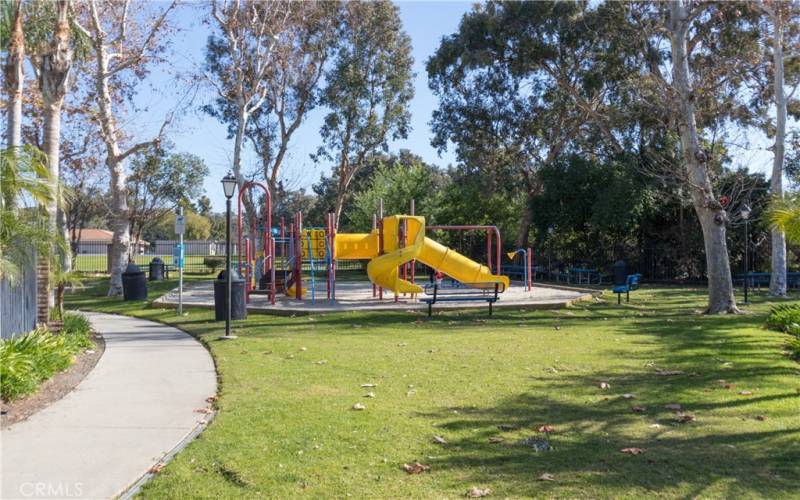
631, 283
461, 295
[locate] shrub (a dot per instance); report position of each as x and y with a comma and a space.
784, 318
28, 360
214, 263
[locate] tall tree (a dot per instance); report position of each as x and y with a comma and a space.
122, 45
12, 39
291, 83
783, 18
53, 63
368, 90
240, 58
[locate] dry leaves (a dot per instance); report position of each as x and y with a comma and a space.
632, 451
546, 428
476, 492
359, 407
604, 385
156, 468
369, 385
369, 395
628, 396
745, 393
761, 417
673, 407
638, 409
439, 440
416, 468
211, 399
546, 477
684, 418
204, 410
496, 439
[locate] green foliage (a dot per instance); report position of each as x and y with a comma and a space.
785, 318
28, 360
784, 213
397, 180
25, 184
197, 227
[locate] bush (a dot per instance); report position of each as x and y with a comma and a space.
785, 318
214, 263
28, 360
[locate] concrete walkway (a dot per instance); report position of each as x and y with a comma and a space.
136, 405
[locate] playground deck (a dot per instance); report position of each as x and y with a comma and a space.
357, 296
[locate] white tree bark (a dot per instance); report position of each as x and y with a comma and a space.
777, 282
711, 214
109, 129
14, 78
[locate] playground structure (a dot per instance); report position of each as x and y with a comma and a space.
273, 260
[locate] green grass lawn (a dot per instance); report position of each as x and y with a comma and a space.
286, 428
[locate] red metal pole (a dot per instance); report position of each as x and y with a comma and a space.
413, 261
489, 249
374, 227
333, 255
530, 260
298, 282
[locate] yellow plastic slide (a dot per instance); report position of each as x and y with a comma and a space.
383, 269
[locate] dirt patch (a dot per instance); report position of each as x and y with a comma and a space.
54, 389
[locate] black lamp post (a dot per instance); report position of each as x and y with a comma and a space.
745, 213
229, 186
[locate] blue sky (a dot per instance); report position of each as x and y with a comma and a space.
425, 22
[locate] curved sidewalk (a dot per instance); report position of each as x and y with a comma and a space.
136, 405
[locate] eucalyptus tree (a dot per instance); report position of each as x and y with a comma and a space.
783, 19
519, 85
368, 89
240, 58
290, 82
124, 37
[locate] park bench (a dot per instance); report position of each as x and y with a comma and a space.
631, 283
475, 292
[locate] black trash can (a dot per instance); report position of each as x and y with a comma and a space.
134, 283
156, 269
619, 272
238, 305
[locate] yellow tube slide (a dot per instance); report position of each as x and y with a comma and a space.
458, 267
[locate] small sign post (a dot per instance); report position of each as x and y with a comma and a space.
178, 256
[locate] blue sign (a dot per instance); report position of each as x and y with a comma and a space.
177, 255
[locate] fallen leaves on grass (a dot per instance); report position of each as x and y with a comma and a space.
476, 492
632, 451
673, 407
638, 409
416, 468
538, 444
156, 468
211, 399
321, 362
761, 417
546, 477
439, 440
358, 407
369, 385
628, 396
304, 349
546, 428
507, 427
496, 439
605, 385
745, 393
684, 418
204, 410
369, 395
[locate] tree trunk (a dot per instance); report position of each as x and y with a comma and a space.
14, 78
777, 282
711, 214
120, 243
523, 235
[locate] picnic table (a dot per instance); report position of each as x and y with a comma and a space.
580, 275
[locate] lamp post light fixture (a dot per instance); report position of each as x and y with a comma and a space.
229, 184
745, 214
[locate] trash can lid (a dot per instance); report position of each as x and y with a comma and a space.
234, 275
133, 269
157, 260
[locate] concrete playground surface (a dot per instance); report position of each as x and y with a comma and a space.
358, 296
